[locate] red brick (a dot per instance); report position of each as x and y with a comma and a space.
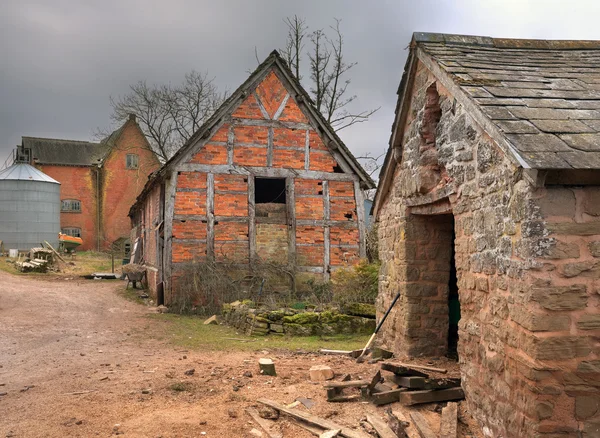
288, 158
343, 236
312, 255
289, 137
229, 204
231, 231
292, 113
250, 156
308, 187
341, 188
251, 134
188, 229
272, 243
271, 93
340, 207
315, 142
191, 180
232, 183
232, 252
211, 154
340, 256
188, 251
193, 203
306, 234
322, 161
221, 134
248, 109
309, 208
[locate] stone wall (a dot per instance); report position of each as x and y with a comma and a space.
526, 267
245, 317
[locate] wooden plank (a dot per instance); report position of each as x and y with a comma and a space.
170, 191
344, 398
401, 370
230, 142
360, 213
412, 382
330, 434
314, 420
422, 367
375, 380
54, 251
422, 426
270, 148
428, 396
267, 172
270, 123
383, 398
210, 216
307, 150
326, 231
251, 220
317, 431
396, 424
441, 383
381, 427
290, 200
335, 352
449, 421
348, 384
264, 424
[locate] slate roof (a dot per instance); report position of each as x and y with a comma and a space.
543, 96
66, 152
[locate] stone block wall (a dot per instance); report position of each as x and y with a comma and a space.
527, 268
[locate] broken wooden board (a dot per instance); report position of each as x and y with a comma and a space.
381, 427
396, 424
401, 370
383, 398
422, 367
330, 434
410, 398
264, 424
409, 428
422, 425
347, 384
449, 425
314, 420
335, 352
375, 380
412, 382
344, 398
382, 387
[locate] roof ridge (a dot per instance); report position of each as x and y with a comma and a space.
60, 139
515, 43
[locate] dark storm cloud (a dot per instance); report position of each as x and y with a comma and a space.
61, 60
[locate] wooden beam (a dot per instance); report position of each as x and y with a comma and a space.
422, 425
264, 424
270, 123
385, 397
422, 367
410, 398
314, 420
230, 143
337, 352
449, 424
381, 427
270, 148
210, 216
251, 220
267, 172
360, 213
401, 370
326, 231
307, 150
281, 107
290, 200
170, 193
347, 384
412, 382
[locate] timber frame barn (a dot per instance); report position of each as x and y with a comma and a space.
265, 179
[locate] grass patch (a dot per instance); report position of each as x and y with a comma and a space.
84, 263
132, 295
189, 332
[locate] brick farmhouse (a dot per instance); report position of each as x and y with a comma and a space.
490, 193
265, 179
99, 181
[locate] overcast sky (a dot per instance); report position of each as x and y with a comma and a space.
61, 60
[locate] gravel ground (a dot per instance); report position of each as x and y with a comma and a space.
78, 360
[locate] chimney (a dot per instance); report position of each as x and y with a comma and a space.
132, 117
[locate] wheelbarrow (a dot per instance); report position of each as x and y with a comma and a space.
134, 277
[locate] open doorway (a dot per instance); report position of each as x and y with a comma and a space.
453, 307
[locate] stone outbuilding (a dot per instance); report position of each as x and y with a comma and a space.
490, 197
264, 180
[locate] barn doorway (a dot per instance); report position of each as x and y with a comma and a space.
453, 305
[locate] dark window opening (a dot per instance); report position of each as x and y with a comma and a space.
269, 191
337, 169
453, 307
348, 216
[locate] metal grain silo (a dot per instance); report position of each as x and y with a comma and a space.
29, 207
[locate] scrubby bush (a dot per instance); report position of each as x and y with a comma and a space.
357, 284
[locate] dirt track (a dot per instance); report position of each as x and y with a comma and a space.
60, 337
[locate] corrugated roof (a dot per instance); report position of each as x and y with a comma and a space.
543, 96
24, 172
66, 152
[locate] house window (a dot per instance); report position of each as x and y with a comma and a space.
132, 161
269, 191
70, 205
71, 231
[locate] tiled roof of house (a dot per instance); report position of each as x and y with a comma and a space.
65, 152
542, 96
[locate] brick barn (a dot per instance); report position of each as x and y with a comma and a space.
265, 179
99, 181
490, 198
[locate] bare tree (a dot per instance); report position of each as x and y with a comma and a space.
169, 115
328, 70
